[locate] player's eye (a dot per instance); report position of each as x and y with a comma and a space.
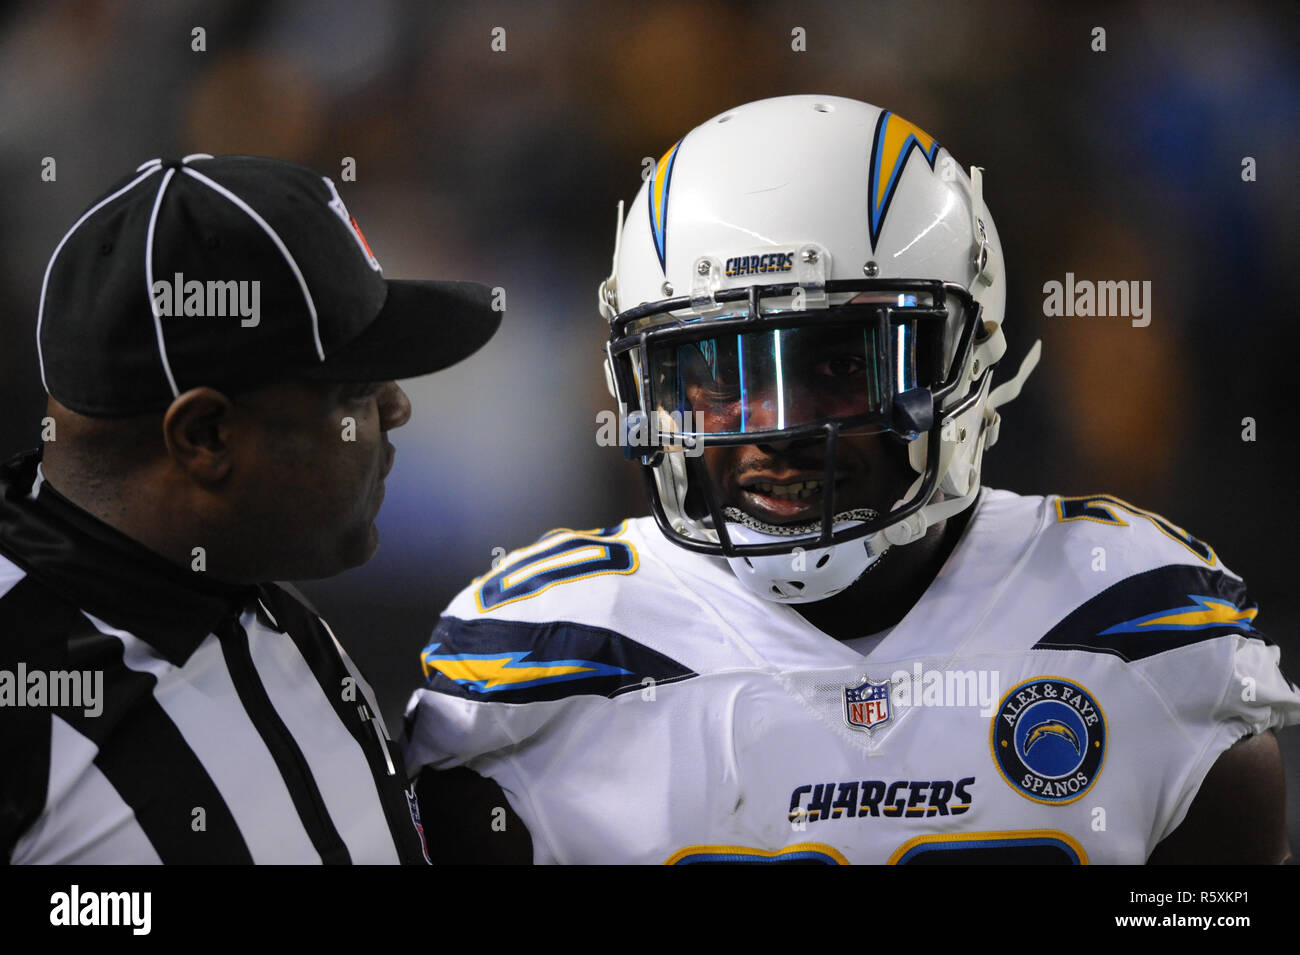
843, 366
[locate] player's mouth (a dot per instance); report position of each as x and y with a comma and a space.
784, 498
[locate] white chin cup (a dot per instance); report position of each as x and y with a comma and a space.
805, 575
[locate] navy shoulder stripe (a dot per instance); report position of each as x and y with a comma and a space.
511, 661
1155, 611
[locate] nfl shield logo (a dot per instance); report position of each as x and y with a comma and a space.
866, 704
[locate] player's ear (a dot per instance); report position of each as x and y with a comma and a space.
196, 429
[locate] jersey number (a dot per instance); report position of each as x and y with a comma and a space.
558, 558
1017, 847
1102, 509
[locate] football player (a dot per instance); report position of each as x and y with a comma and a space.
829, 643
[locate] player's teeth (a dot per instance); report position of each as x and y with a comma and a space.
796, 490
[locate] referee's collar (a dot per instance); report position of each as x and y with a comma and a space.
106, 573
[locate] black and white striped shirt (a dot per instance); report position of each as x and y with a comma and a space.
229, 726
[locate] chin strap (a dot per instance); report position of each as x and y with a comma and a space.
913, 528
607, 294
983, 267
1008, 391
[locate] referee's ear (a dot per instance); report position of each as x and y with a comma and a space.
196, 430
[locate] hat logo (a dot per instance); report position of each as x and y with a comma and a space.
340, 210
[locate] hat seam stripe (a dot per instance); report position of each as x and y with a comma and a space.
148, 281
40, 311
279, 244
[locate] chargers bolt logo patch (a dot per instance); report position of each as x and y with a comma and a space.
1049, 740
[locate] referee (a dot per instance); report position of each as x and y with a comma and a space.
220, 349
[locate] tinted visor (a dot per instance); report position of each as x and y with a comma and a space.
752, 380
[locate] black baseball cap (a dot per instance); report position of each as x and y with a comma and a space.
234, 271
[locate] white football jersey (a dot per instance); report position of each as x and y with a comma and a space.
1057, 695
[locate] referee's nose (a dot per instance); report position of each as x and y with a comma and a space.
394, 406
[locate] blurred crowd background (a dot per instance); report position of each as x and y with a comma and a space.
505, 167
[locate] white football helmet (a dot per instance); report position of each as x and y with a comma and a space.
797, 270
